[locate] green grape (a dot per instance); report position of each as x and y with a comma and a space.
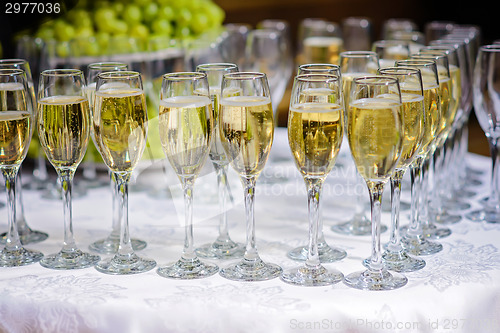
184, 17
132, 14
162, 27
150, 11
63, 31
166, 12
139, 31
119, 27
200, 23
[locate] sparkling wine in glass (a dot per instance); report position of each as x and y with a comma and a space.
64, 130
326, 252
109, 244
39, 180
375, 135
16, 120
315, 131
186, 127
354, 64
414, 239
223, 247
395, 256
120, 123
247, 131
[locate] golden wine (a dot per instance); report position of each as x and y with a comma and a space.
185, 124
432, 106
246, 130
315, 134
120, 127
413, 126
374, 129
347, 83
323, 49
15, 128
63, 129
445, 97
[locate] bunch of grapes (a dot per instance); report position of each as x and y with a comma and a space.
141, 19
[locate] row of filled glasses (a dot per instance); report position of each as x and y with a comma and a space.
251, 261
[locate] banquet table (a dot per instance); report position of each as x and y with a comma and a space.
457, 291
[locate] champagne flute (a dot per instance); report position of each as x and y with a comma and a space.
64, 130
326, 253
412, 94
109, 244
120, 122
414, 239
357, 33
26, 234
186, 127
354, 64
390, 50
223, 247
486, 95
375, 135
267, 52
435, 157
397, 24
247, 130
322, 42
315, 130
16, 118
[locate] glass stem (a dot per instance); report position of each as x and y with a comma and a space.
251, 253
376, 189
188, 251
423, 212
22, 226
437, 165
313, 205
13, 241
222, 191
416, 187
394, 241
494, 198
125, 247
116, 211
66, 180
359, 212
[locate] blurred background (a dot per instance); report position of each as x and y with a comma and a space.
81, 31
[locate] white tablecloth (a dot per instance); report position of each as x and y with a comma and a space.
457, 291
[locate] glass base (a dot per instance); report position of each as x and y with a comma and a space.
400, 262
311, 276
251, 270
361, 228
419, 246
70, 260
110, 245
380, 280
31, 236
125, 265
19, 257
187, 269
326, 253
457, 205
433, 232
490, 216
445, 218
221, 250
